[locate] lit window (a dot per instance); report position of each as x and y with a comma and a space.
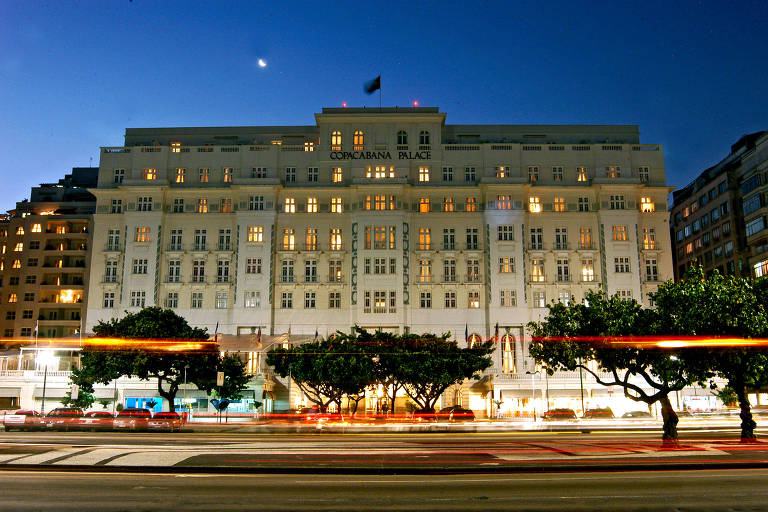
226, 205
358, 140
228, 172
425, 239
312, 205
309, 146
221, 300
337, 205
534, 205
587, 270
506, 265
204, 174
13, 298
585, 238
336, 175
424, 205
150, 174
533, 173
473, 300
16, 264
423, 174
448, 204
19, 247
649, 238
336, 242
471, 204
503, 202
613, 171
289, 240
336, 141
202, 205
175, 147
502, 171
581, 174
508, 298
255, 233
559, 204
646, 205
289, 205
537, 270
180, 175
20, 230
619, 233
310, 240
36, 228
142, 234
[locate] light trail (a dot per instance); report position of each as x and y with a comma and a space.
667, 342
171, 345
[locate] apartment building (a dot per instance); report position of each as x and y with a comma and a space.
380, 217
719, 219
44, 252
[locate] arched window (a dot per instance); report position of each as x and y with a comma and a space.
336, 140
402, 138
508, 354
473, 338
424, 138
358, 139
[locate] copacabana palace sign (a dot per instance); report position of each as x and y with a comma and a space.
380, 155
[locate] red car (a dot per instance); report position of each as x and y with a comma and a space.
64, 418
97, 420
165, 422
23, 420
132, 418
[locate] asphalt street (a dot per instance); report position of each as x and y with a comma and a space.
422, 453
703, 490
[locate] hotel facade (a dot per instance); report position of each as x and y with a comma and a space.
386, 218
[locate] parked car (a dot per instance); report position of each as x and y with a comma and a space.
684, 414
598, 414
559, 415
636, 414
97, 420
425, 415
23, 420
132, 418
165, 422
64, 418
455, 413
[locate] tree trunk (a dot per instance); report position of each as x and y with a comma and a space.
169, 395
670, 422
747, 423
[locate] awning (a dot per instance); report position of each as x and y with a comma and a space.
51, 392
104, 394
10, 392
141, 393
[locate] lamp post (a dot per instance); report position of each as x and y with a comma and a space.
533, 391
45, 358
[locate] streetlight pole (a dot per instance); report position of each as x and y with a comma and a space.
533, 392
45, 378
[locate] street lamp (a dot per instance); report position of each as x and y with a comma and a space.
45, 358
533, 391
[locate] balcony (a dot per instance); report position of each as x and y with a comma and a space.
224, 247
199, 280
200, 247
112, 248
222, 279
175, 248
449, 278
287, 279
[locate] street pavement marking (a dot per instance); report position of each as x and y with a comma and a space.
152, 458
91, 458
42, 458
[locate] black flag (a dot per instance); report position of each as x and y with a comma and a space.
373, 85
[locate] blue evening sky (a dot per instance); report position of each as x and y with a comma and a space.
74, 75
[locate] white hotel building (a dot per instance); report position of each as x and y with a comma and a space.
384, 218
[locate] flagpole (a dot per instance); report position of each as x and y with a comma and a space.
379, 93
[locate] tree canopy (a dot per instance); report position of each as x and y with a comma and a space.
103, 365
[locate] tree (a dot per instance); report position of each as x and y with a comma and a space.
566, 339
326, 370
387, 356
427, 365
102, 365
727, 306
84, 399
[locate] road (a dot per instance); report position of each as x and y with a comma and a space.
422, 453
722, 490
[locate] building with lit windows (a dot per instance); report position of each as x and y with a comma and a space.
386, 218
719, 220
